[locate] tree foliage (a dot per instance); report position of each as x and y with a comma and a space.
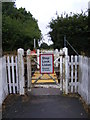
44, 46
19, 28
75, 27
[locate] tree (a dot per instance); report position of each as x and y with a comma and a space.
44, 46
75, 27
19, 28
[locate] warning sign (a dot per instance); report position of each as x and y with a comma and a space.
46, 63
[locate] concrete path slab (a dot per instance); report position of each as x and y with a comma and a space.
43, 106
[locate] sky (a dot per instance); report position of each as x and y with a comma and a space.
45, 10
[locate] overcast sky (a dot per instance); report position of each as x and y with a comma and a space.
45, 10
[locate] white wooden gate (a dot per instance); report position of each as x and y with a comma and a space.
12, 74
16, 74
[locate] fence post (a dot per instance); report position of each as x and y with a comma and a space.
61, 72
66, 74
29, 69
38, 58
80, 73
21, 71
65, 51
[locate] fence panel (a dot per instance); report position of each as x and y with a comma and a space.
73, 74
3, 80
12, 74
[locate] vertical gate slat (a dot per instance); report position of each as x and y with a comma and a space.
16, 74
13, 74
38, 58
75, 73
61, 72
68, 73
72, 74
9, 74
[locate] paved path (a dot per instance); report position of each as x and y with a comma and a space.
45, 78
45, 104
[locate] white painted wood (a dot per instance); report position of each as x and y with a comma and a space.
17, 82
56, 56
65, 50
73, 84
21, 71
61, 72
84, 79
74, 63
13, 74
29, 69
72, 73
38, 58
76, 73
66, 74
3, 80
9, 74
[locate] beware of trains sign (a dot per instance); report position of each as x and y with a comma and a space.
46, 63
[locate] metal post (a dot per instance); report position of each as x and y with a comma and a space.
65, 41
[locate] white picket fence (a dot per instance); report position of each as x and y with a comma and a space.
12, 74
84, 78
68, 73
74, 72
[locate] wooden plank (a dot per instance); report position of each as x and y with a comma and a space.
61, 72
10, 64
17, 82
12, 84
38, 58
66, 74
73, 84
21, 71
71, 73
56, 56
75, 73
74, 63
29, 69
13, 74
9, 74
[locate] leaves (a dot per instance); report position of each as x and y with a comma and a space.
75, 27
19, 28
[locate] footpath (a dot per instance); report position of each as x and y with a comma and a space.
43, 103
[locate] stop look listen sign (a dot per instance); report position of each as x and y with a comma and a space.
46, 63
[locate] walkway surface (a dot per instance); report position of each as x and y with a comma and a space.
45, 78
43, 103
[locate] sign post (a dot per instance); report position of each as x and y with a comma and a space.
46, 63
